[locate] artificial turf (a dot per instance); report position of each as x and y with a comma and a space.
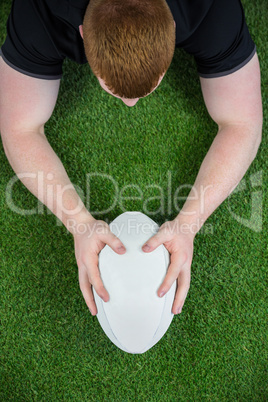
51, 347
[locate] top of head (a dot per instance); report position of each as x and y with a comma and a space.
129, 44
135, 318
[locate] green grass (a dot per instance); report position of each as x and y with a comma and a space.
51, 347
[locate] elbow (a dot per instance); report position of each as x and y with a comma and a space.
5, 137
3, 141
258, 137
258, 141
9, 141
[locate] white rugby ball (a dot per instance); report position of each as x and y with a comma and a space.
135, 318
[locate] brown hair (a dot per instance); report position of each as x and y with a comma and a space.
129, 43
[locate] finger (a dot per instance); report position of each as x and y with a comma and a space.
114, 242
99, 288
184, 280
91, 265
177, 260
153, 242
86, 289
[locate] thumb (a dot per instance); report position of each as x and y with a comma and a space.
153, 242
115, 243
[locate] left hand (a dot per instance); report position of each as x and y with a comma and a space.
180, 247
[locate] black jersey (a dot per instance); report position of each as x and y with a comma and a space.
42, 33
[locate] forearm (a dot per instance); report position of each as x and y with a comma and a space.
42, 172
226, 162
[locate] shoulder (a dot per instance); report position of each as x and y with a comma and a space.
221, 42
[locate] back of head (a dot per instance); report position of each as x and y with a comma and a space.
129, 43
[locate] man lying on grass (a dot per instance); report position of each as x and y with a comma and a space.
129, 46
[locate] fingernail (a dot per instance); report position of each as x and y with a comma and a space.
162, 293
179, 310
146, 247
121, 248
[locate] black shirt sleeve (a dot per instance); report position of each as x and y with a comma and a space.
221, 44
41, 34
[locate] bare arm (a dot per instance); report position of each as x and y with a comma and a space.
26, 104
234, 103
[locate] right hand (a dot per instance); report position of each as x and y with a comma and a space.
87, 248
